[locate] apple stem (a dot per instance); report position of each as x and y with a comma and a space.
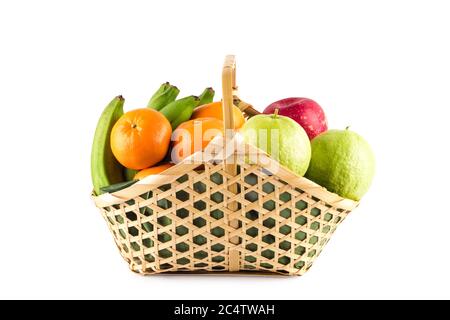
275, 112
347, 127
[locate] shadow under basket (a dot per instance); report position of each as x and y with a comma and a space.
221, 212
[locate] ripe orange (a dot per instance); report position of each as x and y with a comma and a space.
214, 110
140, 138
194, 135
152, 170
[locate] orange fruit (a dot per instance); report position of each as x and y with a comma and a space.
214, 110
140, 138
194, 135
152, 170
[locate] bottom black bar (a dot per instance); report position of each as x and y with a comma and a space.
224, 309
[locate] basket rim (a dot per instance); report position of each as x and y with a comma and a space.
190, 163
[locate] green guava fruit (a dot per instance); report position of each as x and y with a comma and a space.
282, 138
343, 162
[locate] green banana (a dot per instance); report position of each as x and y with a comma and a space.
166, 94
105, 170
207, 96
173, 109
130, 173
185, 115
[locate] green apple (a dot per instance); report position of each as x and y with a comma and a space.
282, 138
343, 162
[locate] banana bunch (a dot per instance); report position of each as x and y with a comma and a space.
177, 111
108, 175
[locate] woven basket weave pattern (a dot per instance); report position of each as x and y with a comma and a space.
184, 225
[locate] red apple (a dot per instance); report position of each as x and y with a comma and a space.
304, 111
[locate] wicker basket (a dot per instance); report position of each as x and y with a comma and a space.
230, 208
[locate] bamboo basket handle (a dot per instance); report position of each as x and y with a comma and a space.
228, 87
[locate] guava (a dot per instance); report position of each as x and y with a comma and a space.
282, 138
342, 162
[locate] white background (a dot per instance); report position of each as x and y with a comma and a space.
382, 67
